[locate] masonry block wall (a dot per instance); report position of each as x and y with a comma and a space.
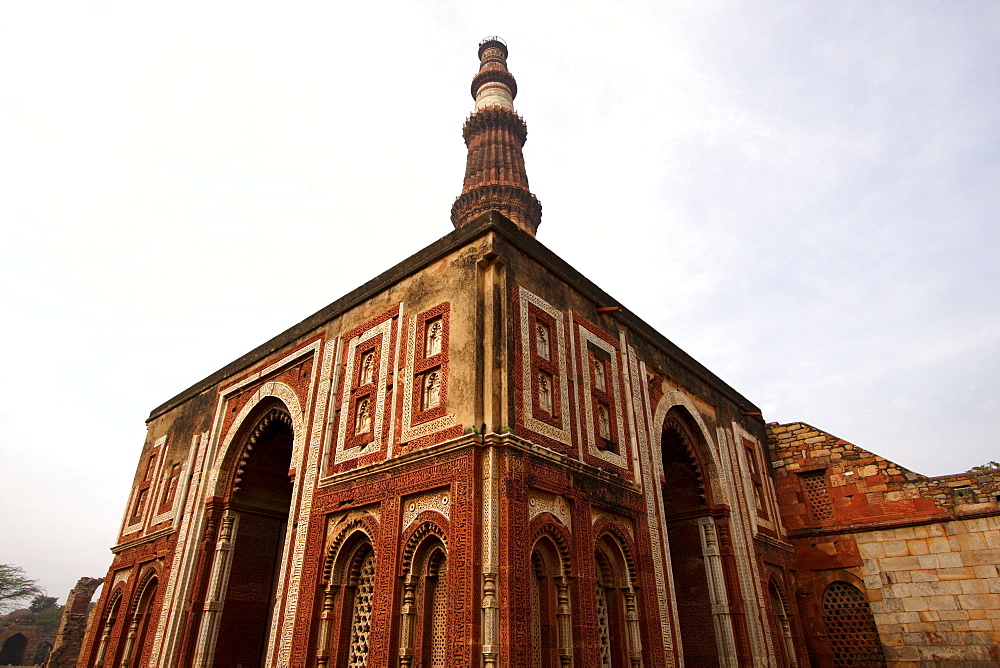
922, 551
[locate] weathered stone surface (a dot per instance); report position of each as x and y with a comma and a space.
73, 625
928, 567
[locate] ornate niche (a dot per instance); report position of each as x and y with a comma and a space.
143, 502
598, 356
368, 354
542, 392
425, 392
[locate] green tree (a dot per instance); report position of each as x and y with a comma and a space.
15, 586
988, 466
42, 602
49, 619
47, 612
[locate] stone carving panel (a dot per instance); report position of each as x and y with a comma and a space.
544, 388
438, 500
543, 502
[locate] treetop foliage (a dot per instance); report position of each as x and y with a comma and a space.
42, 602
15, 587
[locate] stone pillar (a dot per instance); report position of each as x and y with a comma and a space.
205, 648
564, 623
407, 617
717, 593
325, 622
491, 557
632, 624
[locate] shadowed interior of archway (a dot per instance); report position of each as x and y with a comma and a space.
684, 502
12, 652
261, 495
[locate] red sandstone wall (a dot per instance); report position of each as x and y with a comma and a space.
922, 550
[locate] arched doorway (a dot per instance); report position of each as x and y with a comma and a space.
105, 628
255, 518
41, 653
551, 631
686, 500
138, 623
617, 612
781, 628
424, 637
347, 599
12, 652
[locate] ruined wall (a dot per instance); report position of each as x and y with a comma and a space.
923, 551
22, 640
73, 625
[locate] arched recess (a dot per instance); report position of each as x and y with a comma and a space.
107, 624
615, 592
346, 597
551, 605
850, 626
693, 496
676, 404
12, 651
252, 479
42, 653
424, 621
141, 615
781, 627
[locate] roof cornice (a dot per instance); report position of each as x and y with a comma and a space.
490, 221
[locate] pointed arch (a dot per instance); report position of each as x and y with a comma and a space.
271, 394
614, 538
615, 586
141, 613
360, 527
346, 596
551, 604
694, 496
251, 497
424, 615
428, 525
107, 624
13, 648
781, 626
702, 445
547, 527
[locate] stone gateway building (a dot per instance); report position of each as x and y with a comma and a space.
478, 458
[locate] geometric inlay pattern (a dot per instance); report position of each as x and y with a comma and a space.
850, 627
817, 494
439, 618
603, 630
362, 614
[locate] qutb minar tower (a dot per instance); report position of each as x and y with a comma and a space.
495, 178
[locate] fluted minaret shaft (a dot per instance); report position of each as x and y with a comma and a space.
495, 178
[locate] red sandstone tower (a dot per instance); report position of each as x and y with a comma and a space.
495, 179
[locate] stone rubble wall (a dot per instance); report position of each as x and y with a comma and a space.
865, 487
925, 550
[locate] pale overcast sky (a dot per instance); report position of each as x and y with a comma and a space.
802, 195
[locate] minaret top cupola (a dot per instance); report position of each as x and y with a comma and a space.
495, 179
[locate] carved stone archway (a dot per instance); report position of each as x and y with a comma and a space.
254, 493
694, 502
